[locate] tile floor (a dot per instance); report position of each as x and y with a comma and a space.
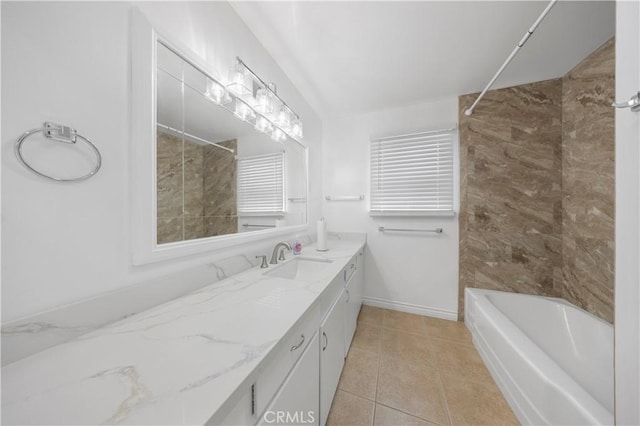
405, 369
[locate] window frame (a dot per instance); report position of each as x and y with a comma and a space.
452, 172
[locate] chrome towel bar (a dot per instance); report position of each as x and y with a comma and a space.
345, 198
383, 229
246, 225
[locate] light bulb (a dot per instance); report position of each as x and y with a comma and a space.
263, 125
263, 101
278, 135
282, 119
217, 93
296, 128
238, 81
243, 111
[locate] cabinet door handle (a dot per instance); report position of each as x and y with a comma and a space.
326, 341
348, 295
294, 347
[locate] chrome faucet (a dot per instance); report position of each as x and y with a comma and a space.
274, 255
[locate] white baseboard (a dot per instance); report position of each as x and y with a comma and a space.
411, 309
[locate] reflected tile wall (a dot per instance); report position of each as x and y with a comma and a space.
169, 188
196, 189
537, 188
220, 187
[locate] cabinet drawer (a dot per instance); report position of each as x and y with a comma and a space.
286, 354
348, 270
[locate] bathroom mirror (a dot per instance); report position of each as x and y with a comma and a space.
216, 174
202, 180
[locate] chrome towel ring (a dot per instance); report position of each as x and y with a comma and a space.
58, 133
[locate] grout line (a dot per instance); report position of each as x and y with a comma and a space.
444, 396
355, 394
409, 414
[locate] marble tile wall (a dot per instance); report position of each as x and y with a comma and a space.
511, 190
588, 181
169, 187
196, 189
220, 207
536, 200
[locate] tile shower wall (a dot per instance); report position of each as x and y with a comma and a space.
588, 182
536, 202
196, 189
511, 191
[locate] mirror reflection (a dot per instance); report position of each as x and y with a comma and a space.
216, 174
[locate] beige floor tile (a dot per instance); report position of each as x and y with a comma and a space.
403, 321
350, 410
386, 416
367, 337
370, 315
450, 330
406, 346
411, 387
460, 361
476, 404
360, 373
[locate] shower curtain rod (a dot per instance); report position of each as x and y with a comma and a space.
528, 34
190, 136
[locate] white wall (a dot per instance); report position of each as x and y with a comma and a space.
69, 63
627, 294
410, 272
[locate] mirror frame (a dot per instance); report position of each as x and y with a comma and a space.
143, 225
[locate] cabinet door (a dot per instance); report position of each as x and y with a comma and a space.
355, 294
331, 354
297, 400
351, 312
358, 281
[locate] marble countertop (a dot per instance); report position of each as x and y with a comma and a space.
177, 363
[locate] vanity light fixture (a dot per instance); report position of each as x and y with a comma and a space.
296, 129
273, 114
278, 135
238, 81
263, 101
244, 111
217, 93
263, 124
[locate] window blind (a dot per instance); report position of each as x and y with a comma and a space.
412, 174
261, 184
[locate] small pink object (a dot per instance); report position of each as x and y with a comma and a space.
297, 248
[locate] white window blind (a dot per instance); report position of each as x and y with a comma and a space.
261, 184
412, 174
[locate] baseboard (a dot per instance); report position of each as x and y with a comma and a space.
411, 309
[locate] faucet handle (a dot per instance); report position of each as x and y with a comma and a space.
264, 261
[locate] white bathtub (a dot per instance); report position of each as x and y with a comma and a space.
552, 360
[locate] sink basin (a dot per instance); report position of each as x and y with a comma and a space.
300, 268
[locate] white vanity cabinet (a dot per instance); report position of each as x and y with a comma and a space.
296, 385
354, 289
332, 354
297, 400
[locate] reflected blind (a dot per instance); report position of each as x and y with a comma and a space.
412, 174
261, 184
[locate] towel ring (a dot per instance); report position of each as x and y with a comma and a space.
58, 133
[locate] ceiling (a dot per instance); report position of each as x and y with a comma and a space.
356, 57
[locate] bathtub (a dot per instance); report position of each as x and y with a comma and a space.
552, 361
